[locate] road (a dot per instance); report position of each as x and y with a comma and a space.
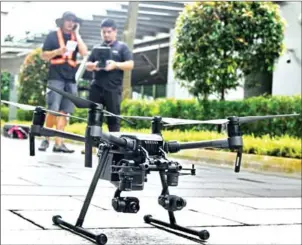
244, 208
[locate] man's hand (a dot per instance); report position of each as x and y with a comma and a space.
77, 29
61, 51
111, 65
92, 66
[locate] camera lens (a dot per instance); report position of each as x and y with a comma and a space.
180, 203
134, 207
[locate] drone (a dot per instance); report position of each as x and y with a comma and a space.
126, 159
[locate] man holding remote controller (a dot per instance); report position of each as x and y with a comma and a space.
60, 49
107, 85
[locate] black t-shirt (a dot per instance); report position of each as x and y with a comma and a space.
112, 80
62, 72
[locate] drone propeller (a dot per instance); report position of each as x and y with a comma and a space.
256, 118
241, 120
169, 121
32, 108
78, 101
84, 103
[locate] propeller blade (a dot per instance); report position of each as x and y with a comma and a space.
169, 121
178, 122
109, 114
65, 115
32, 108
78, 102
21, 106
139, 117
256, 118
83, 103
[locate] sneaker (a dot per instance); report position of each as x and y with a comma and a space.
62, 148
44, 145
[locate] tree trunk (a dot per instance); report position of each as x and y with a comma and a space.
258, 83
128, 38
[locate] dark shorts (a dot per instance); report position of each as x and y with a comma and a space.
111, 100
57, 102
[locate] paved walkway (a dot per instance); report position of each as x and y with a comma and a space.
244, 208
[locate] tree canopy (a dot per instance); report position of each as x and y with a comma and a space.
33, 70
217, 43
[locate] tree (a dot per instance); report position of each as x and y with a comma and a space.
5, 85
217, 43
33, 70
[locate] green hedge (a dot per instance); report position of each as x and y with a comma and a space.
192, 109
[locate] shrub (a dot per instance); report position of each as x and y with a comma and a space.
219, 42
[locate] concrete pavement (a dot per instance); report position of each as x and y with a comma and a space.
244, 208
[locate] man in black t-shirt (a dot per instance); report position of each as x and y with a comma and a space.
62, 70
107, 83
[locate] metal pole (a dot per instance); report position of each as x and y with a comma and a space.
13, 97
128, 37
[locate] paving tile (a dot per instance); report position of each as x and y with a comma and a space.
10, 222
15, 181
42, 237
111, 218
266, 203
209, 204
40, 203
287, 234
260, 217
281, 234
115, 236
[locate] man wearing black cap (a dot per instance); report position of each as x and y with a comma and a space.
60, 49
107, 84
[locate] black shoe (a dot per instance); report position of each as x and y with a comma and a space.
44, 145
62, 148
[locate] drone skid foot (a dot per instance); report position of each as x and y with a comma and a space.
100, 239
203, 234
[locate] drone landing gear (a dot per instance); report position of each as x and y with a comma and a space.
173, 203
100, 239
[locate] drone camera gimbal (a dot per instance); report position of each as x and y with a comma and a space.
126, 159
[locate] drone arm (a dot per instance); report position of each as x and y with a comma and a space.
40, 131
174, 146
122, 142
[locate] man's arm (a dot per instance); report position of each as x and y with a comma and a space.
83, 50
48, 51
91, 64
126, 65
